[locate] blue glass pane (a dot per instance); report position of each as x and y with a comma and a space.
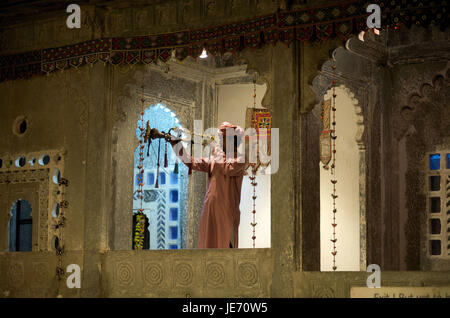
448, 161
173, 233
12, 231
173, 178
173, 214
162, 178
173, 247
25, 210
435, 162
25, 237
151, 179
174, 196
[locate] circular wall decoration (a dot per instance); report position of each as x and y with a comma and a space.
44, 160
183, 274
20, 126
125, 274
55, 210
154, 274
215, 274
56, 176
20, 162
32, 161
248, 274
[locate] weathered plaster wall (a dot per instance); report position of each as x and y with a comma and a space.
91, 113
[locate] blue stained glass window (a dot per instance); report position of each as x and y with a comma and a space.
162, 178
174, 203
174, 196
150, 179
435, 161
173, 178
21, 227
173, 214
448, 161
25, 237
173, 233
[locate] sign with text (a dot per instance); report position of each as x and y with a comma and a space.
400, 292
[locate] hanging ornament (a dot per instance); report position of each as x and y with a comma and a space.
253, 224
144, 137
254, 167
165, 155
333, 165
175, 169
147, 138
192, 156
157, 164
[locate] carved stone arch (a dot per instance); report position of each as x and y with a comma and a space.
126, 109
356, 90
422, 125
322, 83
431, 99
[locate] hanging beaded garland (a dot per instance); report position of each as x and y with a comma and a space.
59, 224
140, 217
254, 170
333, 165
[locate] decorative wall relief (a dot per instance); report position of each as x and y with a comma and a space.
177, 273
125, 274
38, 168
247, 274
184, 274
426, 117
322, 292
166, 14
215, 275
15, 274
186, 12
40, 273
153, 274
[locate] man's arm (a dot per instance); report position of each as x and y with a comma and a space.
199, 164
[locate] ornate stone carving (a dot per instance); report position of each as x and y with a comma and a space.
125, 274
15, 274
183, 273
186, 11
153, 274
166, 14
40, 273
424, 124
322, 292
247, 274
211, 8
215, 274
42, 177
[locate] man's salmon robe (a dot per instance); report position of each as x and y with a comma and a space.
219, 221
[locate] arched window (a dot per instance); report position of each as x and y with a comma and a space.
164, 207
347, 174
20, 227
